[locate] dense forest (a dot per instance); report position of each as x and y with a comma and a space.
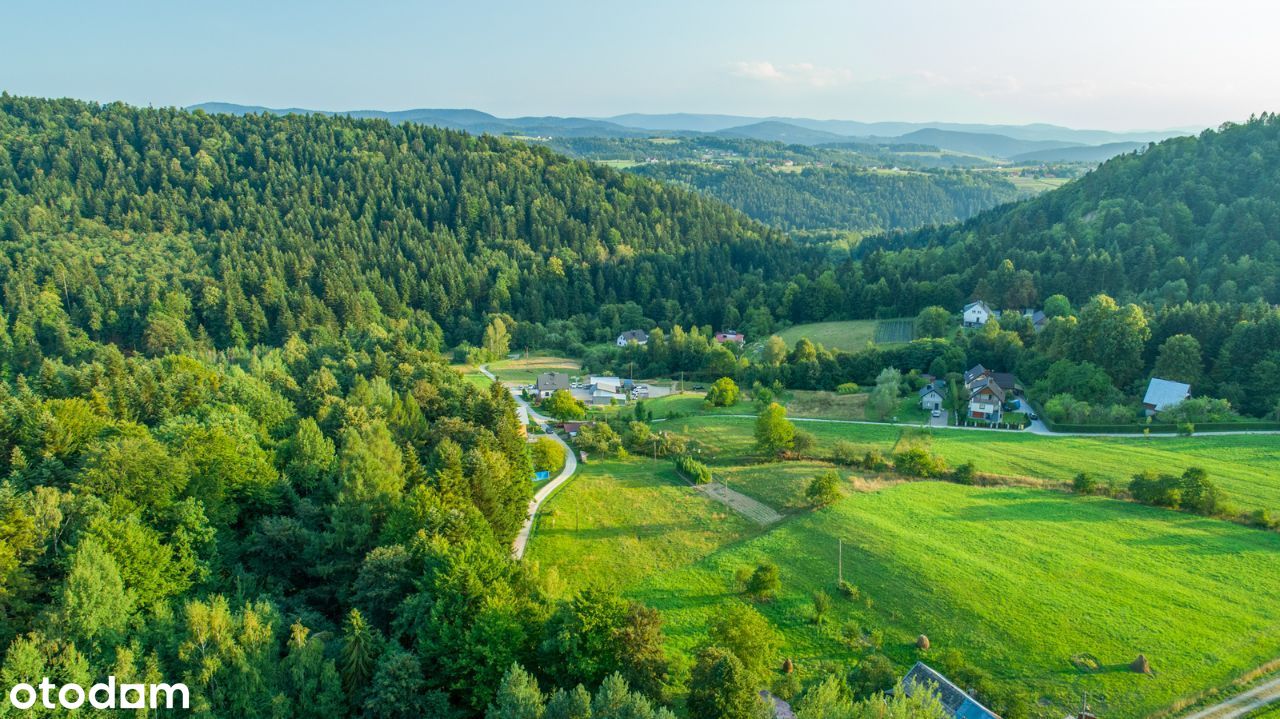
842, 197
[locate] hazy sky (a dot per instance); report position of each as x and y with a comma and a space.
1112, 64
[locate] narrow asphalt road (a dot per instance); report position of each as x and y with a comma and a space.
570, 466
1243, 703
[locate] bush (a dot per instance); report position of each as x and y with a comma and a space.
874, 460
849, 591
764, 582
696, 471
844, 452
802, 442
823, 490
723, 393
918, 462
847, 388
875, 673
964, 474
1186, 429
1084, 483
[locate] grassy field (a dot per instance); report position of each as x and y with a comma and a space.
527, 370
850, 335
1018, 580
895, 331
619, 522
1246, 467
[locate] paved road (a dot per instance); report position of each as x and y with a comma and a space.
1037, 427
1243, 703
570, 466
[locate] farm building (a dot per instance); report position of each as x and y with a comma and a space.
639, 337
549, 382
1163, 394
957, 703
977, 314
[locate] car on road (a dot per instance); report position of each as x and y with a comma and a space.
937, 413
699, 388
1033, 416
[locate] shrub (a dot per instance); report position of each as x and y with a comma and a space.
764, 582
847, 388
696, 471
1084, 483
723, 393
874, 460
918, 462
844, 452
875, 673
821, 605
1186, 429
964, 474
802, 442
849, 591
823, 490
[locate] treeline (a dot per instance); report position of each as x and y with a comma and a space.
163, 230
842, 196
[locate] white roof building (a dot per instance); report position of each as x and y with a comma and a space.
1163, 394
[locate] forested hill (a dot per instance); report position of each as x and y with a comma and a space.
266, 223
843, 197
1190, 218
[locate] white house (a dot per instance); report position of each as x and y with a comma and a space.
977, 314
1163, 394
640, 337
986, 400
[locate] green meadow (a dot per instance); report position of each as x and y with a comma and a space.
1246, 467
1022, 582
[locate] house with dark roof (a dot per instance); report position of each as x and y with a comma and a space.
975, 373
933, 395
549, 382
1037, 317
639, 337
955, 701
1163, 394
986, 400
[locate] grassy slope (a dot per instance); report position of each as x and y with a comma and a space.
1019, 580
850, 335
619, 522
1246, 467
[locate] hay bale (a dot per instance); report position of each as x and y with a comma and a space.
1141, 665
922, 642
787, 666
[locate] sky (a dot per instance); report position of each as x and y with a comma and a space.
1114, 64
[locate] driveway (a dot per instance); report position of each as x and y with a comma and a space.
570, 466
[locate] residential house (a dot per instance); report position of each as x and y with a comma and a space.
1163, 394
604, 396
977, 314
1007, 382
1038, 320
955, 702
986, 400
975, 373
731, 336
549, 382
571, 428
933, 395
639, 337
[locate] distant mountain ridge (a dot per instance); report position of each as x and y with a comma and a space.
1001, 141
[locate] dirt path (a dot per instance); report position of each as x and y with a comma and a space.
1241, 704
570, 466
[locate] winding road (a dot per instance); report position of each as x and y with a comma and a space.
570, 466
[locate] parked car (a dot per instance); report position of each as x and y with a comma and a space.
937, 413
699, 388
1033, 416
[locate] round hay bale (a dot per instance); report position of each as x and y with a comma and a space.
787, 666
922, 642
1141, 665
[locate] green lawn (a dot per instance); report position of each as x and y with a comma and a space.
851, 335
618, 522
526, 371
1019, 581
1246, 467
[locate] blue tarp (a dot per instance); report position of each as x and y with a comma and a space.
540, 476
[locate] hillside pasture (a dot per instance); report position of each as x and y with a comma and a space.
1020, 581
